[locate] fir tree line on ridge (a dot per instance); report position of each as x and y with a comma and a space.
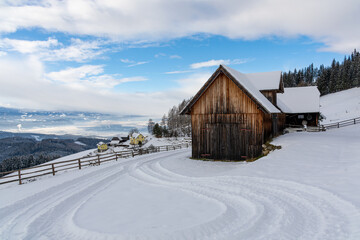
334, 78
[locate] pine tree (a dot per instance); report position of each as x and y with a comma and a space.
157, 132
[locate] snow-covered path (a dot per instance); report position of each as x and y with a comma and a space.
299, 192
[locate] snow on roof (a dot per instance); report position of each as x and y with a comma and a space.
114, 142
265, 80
135, 135
247, 83
299, 100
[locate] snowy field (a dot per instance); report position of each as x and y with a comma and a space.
307, 190
340, 106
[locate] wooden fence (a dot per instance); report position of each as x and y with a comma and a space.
324, 127
78, 163
341, 123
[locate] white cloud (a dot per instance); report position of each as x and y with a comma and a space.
137, 63
175, 57
88, 77
331, 22
209, 63
53, 50
178, 72
132, 63
160, 55
213, 62
25, 46
126, 61
78, 51
133, 79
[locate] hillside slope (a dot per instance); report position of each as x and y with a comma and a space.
341, 105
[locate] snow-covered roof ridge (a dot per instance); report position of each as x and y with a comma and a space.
265, 80
299, 100
249, 86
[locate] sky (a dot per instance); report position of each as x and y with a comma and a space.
141, 57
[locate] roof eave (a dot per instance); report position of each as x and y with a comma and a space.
300, 112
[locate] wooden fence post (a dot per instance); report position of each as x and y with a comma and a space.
19, 174
99, 159
116, 156
132, 153
354, 120
53, 169
79, 161
338, 125
167, 148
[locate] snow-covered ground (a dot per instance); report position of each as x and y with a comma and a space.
307, 190
157, 142
340, 106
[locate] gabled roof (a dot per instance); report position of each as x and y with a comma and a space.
135, 135
299, 100
244, 83
114, 142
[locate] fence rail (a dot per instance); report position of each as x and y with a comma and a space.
78, 163
324, 127
341, 123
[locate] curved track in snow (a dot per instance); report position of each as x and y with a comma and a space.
247, 207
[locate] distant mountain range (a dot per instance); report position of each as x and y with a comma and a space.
36, 136
82, 123
21, 148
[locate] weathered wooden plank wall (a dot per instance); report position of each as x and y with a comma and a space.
281, 122
271, 96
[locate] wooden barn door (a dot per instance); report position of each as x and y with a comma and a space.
227, 141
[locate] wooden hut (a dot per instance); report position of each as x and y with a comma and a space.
233, 114
301, 106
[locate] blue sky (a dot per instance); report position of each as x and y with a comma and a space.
141, 57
